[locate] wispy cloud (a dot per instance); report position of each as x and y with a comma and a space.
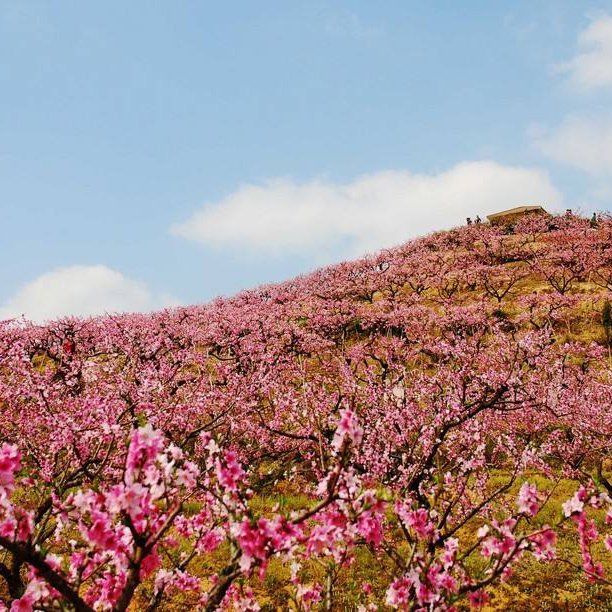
591, 67
373, 211
580, 141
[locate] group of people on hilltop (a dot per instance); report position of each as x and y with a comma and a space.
477, 220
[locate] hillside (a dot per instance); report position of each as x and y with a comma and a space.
424, 428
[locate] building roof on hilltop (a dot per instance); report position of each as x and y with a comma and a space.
515, 211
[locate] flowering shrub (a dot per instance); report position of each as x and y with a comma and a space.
411, 397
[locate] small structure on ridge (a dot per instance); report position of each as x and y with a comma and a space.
510, 216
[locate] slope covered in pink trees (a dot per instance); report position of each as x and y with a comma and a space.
412, 398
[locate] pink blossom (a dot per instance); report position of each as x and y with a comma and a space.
229, 472
398, 592
24, 604
10, 463
450, 549
544, 544
478, 599
419, 521
211, 540
347, 428
149, 564
572, 505
370, 527
528, 499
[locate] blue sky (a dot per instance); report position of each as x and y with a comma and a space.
154, 153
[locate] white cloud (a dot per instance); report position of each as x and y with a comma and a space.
591, 68
584, 142
373, 211
82, 291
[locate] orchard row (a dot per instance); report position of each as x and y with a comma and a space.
411, 397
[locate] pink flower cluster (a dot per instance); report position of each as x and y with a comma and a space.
418, 520
348, 428
261, 540
528, 500
15, 523
10, 463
